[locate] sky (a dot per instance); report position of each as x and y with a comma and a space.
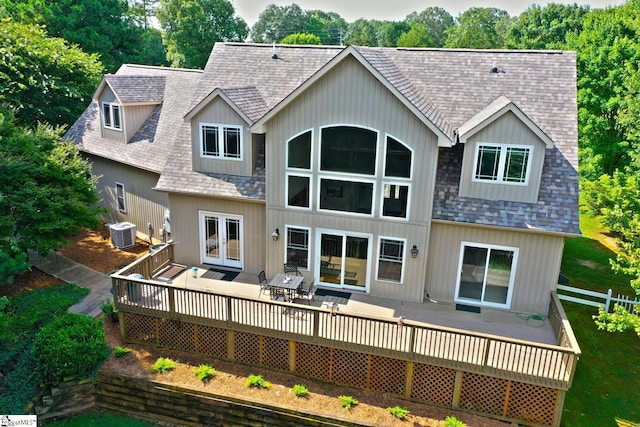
396, 10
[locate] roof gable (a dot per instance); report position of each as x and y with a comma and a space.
392, 79
245, 101
496, 109
133, 89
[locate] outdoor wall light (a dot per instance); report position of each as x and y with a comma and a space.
414, 251
275, 234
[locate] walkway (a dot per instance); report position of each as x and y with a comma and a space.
70, 271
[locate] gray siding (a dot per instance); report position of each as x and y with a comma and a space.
219, 112
107, 95
143, 204
537, 271
508, 129
185, 231
350, 95
134, 117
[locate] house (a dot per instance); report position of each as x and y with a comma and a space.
392, 172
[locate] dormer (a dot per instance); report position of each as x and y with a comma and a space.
221, 138
504, 154
126, 102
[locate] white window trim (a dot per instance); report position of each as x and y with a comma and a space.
384, 165
348, 174
286, 190
111, 116
507, 304
287, 227
398, 183
404, 259
354, 178
310, 154
344, 234
501, 163
221, 127
124, 198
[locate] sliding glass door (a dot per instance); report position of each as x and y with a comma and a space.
344, 259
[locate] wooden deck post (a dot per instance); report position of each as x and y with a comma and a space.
457, 388
408, 379
292, 356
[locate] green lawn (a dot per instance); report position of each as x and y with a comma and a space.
605, 389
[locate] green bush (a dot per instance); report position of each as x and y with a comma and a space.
257, 381
71, 345
204, 372
300, 390
162, 365
452, 421
121, 351
348, 402
399, 412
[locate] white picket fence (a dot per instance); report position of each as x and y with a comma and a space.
623, 300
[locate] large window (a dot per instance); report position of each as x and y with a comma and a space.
346, 196
298, 247
111, 116
298, 183
390, 260
502, 163
121, 197
348, 149
223, 141
486, 274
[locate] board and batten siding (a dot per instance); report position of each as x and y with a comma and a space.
107, 95
185, 228
539, 258
350, 95
507, 129
135, 116
143, 204
219, 112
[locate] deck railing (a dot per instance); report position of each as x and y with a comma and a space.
523, 361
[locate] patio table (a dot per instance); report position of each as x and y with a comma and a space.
287, 283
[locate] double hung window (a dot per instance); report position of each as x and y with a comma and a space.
397, 179
121, 197
222, 141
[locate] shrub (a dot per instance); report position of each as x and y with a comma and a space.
71, 345
121, 351
205, 372
300, 390
257, 381
162, 365
4, 304
348, 402
399, 412
452, 421
109, 307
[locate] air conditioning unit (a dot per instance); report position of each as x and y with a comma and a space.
123, 235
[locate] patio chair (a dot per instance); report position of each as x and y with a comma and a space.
307, 291
292, 268
264, 284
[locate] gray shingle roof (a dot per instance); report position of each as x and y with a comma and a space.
134, 89
449, 87
150, 147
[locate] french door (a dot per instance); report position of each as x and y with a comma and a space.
221, 239
344, 259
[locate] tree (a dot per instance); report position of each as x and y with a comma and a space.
479, 28
436, 20
192, 27
417, 36
97, 26
277, 22
362, 32
608, 55
329, 26
301, 38
545, 27
44, 79
46, 193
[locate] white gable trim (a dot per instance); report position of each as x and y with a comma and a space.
216, 93
258, 126
494, 111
